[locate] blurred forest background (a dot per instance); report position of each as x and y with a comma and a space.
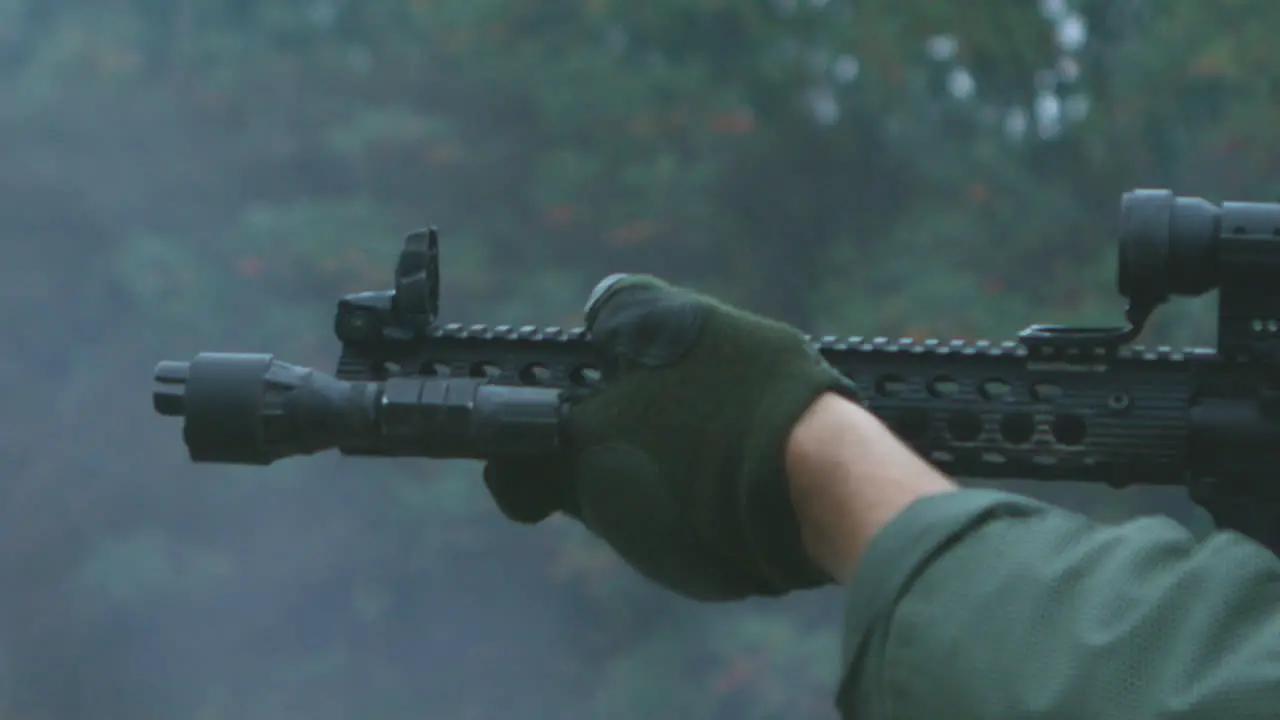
181, 175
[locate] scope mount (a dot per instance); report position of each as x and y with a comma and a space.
1043, 339
1187, 246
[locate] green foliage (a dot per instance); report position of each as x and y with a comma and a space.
879, 168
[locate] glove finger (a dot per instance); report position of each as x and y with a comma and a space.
528, 490
639, 320
626, 504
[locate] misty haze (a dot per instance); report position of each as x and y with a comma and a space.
188, 175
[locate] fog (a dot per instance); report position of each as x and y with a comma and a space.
135, 584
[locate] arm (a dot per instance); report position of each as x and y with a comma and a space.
977, 604
849, 477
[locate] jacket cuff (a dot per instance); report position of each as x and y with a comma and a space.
898, 554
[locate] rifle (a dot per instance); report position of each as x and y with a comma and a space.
1058, 403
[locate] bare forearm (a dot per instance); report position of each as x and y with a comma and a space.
849, 476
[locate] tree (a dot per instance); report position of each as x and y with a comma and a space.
229, 168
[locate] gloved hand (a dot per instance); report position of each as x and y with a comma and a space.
678, 461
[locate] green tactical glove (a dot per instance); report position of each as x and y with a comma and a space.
678, 460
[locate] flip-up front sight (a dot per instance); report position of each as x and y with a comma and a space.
407, 312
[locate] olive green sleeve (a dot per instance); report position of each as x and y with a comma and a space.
981, 604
